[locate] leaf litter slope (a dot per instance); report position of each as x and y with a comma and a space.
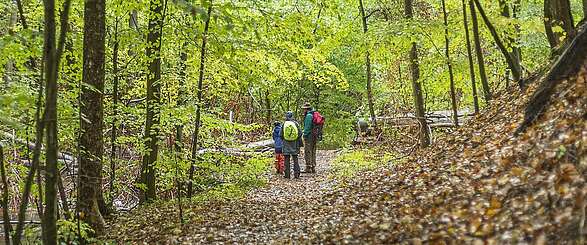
479, 184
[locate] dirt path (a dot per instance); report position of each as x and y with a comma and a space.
282, 212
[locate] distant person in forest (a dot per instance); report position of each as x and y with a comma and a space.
292, 141
313, 123
278, 145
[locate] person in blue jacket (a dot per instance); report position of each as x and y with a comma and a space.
278, 144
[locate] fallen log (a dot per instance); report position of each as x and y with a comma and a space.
61, 155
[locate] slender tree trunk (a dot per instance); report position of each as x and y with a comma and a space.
153, 101
63, 197
511, 41
268, 104
9, 66
516, 72
470, 57
416, 85
179, 128
5, 206
368, 67
479, 53
199, 97
52, 54
453, 96
584, 9
113, 145
517, 49
92, 106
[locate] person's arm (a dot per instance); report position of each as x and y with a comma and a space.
308, 124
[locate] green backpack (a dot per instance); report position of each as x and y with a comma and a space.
290, 131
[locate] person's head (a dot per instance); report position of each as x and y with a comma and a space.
276, 123
306, 107
288, 115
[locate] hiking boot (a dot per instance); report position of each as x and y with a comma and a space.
296, 176
307, 170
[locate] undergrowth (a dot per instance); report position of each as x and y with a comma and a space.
352, 162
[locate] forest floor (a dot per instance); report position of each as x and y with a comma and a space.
479, 184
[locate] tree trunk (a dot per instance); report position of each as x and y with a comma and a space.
584, 9
511, 44
5, 206
52, 51
416, 86
113, 145
557, 13
516, 72
368, 67
470, 57
517, 50
92, 106
179, 127
63, 197
453, 96
268, 104
151, 137
199, 97
479, 53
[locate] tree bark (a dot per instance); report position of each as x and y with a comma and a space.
92, 106
516, 72
151, 137
416, 86
179, 127
52, 51
5, 206
195, 137
368, 67
63, 197
453, 96
470, 57
480, 59
113, 135
557, 13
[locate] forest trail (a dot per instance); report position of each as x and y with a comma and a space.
283, 209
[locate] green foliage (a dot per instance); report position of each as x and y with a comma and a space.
67, 233
352, 162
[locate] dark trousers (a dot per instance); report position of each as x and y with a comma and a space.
310, 153
296, 166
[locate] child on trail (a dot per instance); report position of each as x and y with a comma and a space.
279, 158
292, 142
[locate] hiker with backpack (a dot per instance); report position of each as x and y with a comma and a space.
278, 145
313, 124
292, 141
